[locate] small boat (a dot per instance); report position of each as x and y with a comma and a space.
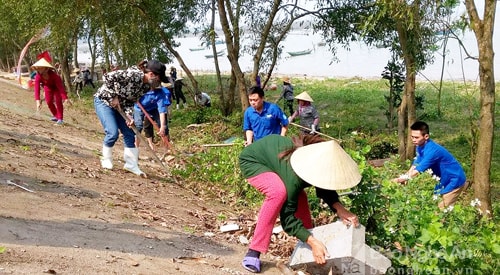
200, 48
304, 52
321, 43
219, 53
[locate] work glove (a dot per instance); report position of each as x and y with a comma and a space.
313, 129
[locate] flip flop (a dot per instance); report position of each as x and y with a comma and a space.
251, 264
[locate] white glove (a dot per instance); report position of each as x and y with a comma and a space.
313, 129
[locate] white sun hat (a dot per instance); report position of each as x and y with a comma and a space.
325, 165
304, 96
42, 63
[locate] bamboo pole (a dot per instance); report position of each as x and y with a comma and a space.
319, 133
218, 145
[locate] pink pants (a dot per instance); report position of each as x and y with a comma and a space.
54, 103
273, 188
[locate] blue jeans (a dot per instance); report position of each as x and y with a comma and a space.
112, 121
138, 119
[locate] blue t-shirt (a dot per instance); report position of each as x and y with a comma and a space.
152, 100
268, 122
435, 157
168, 96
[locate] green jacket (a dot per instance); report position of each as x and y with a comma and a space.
262, 156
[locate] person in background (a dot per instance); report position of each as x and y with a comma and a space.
173, 73
258, 81
203, 99
78, 81
153, 103
439, 162
115, 99
287, 95
57, 67
309, 117
168, 98
281, 168
55, 93
87, 78
262, 118
179, 95
31, 82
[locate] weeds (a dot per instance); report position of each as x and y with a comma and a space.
401, 221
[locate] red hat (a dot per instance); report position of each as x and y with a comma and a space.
44, 55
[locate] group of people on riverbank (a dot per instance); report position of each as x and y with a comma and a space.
129, 100
281, 167
278, 166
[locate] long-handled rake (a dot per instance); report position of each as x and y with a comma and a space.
138, 134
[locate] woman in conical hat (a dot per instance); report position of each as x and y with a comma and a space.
309, 116
55, 93
280, 168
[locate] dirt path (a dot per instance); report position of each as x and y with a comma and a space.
68, 216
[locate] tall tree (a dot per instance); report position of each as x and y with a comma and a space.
229, 19
263, 25
167, 22
483, 30
412, 24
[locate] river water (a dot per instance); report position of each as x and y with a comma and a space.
359, 61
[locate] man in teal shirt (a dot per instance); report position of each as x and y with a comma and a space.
262, 118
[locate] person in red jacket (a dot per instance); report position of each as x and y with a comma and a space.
55, 93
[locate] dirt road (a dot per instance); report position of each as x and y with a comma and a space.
60, 213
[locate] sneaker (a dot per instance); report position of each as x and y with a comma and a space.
53, 119
59, 122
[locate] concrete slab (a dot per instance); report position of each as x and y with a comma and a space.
348, 252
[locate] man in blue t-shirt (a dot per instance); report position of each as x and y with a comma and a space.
262, 118
441, 163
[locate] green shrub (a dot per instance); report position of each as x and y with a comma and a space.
426, 240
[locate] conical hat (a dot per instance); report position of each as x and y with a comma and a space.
325, 165
286, 79
42, 63
304, 96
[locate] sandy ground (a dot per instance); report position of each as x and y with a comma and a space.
60, 213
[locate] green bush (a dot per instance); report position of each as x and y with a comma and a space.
426, 240
216, 170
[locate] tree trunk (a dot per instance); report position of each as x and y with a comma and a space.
222, 97
402, 136
410, 104
105, 45
75, 50
233, 54
483, 30
262, 44
65, 72
406, 99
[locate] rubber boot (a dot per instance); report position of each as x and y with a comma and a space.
131, 157
185, 105
177, 106
107, 157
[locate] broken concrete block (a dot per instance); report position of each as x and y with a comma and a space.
229, 227
348, 252
340, 240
